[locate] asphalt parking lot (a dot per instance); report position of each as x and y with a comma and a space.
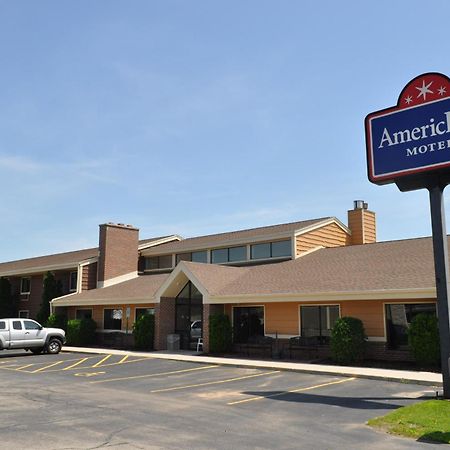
94, 401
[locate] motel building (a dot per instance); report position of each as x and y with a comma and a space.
274, 282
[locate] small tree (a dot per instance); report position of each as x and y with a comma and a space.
51, 290
81, 331
423, 338
6, 299
348, 340
220, 334
144, 332
57, 321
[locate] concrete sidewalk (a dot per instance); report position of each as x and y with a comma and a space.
403, 376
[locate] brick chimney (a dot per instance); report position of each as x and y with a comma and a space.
118, 253
362, 224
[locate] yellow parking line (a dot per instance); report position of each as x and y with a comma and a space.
262, 397
24, 367
123, 359
47, 367
153, 374
229, 380
102, 360
75, 364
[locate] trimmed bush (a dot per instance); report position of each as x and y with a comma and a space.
51, 290
220, 334
348, 340
423, 338
144, 332
81, 331
57, 321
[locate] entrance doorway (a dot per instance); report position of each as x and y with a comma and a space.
189, 316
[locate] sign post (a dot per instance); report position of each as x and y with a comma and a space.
409, 145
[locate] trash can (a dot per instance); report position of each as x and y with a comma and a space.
173, 342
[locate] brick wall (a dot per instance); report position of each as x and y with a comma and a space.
89, 277
164, 322
118, 247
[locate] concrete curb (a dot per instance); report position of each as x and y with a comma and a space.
400, 376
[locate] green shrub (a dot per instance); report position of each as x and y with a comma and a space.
348, 340
81, 332
57, 321
423, 338
144, 332
220, 334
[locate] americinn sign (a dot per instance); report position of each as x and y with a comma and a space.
409, 145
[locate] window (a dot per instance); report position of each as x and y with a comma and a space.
399, 317
248, 322
73, 281
281, 248
23, 314
144, 311
17, 325
25, 285
201, 257
276, 249
112, 319
30, 325
81, 314
158, 262
2, 325
232, 254
260, 251
237, 254
318, 321
219, 256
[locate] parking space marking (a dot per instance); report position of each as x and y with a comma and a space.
150, 375
75, 364
47, 367
123, 359
229, 380
102, 360
24, 367
88, 374
262, 397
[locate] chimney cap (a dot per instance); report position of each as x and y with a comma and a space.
360, 204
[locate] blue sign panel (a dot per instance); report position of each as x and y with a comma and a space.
414, 136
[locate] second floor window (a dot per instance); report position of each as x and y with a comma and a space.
25, 285
73, 281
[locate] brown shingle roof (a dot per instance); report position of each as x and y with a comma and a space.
406, 264
219, 239
67, 259
139, 288
384, 266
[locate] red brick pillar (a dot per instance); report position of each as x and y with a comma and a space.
164, 322
205, 327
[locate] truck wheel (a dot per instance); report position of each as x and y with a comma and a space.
36, 351
54, 346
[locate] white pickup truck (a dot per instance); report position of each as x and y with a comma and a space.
29, 335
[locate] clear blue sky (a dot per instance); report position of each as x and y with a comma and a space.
200, 117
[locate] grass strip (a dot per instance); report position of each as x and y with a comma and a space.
424, 421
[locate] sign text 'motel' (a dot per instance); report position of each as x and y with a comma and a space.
409, 144
414, 136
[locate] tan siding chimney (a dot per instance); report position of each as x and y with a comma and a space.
362, 224
118, 253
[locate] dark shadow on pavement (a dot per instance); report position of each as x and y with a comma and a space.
368, 403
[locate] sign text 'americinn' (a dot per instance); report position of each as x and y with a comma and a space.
414, 136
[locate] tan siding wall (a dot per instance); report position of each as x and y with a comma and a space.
97, 313
284, 317
363, 226
328, 236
